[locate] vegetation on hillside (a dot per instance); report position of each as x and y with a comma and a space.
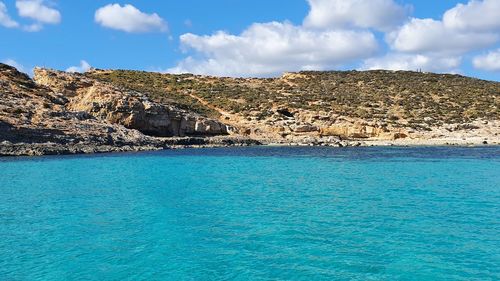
410, 98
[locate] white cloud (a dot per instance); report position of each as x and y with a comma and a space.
83, 67
378, 14
414, 62
475, 15
472, 26
489, 61
338, 33
129, 19
15, 64
428, 35
270, 48
5, 19
36, 10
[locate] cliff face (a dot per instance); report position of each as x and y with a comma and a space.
69, 113
35, 120
126, 107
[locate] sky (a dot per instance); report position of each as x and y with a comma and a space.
253, 38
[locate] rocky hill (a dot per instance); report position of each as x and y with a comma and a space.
68, 113
375, 107
117, 110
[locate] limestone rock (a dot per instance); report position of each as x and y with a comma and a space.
356, 130
84, 116
305, 128
131, 109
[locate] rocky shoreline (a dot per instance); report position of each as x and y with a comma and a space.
39, 149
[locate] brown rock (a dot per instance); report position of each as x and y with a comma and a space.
305, 128
131, 109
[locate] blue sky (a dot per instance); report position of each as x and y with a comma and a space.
253, 38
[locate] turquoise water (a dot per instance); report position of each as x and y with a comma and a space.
258, 213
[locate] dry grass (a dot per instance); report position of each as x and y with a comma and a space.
401, 97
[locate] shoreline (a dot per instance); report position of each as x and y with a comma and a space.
52, 149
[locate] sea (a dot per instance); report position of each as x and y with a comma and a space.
253, 213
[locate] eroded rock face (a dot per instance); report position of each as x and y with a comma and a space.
34, 115
35, 120
355, 131
128, 108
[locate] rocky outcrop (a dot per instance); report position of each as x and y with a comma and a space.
356, 130
129, 108
34, 117
82, 116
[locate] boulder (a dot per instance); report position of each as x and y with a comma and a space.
305, 128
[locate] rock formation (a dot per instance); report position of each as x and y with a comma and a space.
35, 120
84, 116
129, 108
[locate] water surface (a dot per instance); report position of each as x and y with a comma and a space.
260, 213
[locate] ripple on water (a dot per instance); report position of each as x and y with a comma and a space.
266, 213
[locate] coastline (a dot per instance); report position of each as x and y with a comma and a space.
8, 149
59, 113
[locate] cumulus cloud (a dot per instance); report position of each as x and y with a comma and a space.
428, 35
378, 14
129, 19
38, 11
413, 62
463, 28
475, 15
489, 61
339, 33
83, 67
266, 49
5, 19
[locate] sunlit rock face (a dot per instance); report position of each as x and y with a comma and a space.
129, 108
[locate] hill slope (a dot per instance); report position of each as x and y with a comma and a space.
378, 105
